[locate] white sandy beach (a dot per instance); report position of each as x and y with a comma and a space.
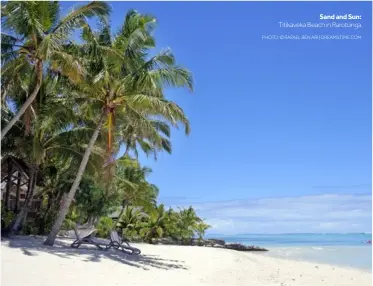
26, 262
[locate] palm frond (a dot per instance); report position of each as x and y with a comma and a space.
77, 18
7, 43
159, 107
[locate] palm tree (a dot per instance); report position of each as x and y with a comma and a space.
156, 224
124, 81
200, 229
173, 224
36, 38
130, 216
188, 222
151, 138
92, 201
55, 140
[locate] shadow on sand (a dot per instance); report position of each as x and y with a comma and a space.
30, 246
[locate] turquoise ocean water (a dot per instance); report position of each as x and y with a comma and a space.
351, 250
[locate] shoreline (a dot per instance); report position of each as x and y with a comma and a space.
294, 260
348, 256
169, 265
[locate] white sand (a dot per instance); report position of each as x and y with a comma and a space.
25, 261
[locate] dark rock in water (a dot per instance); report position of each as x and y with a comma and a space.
241, 247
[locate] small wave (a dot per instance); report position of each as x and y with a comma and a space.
317, 248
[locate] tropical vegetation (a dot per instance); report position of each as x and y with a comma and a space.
79, 102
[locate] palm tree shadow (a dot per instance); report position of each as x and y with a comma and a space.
31, 246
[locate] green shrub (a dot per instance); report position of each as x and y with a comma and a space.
68, 224
7, 217
30, 227
131, 234
104, 227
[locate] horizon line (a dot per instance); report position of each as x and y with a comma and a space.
261, 198
287, 233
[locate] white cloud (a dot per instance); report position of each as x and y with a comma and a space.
305, 214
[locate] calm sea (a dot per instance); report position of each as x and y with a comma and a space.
351, 250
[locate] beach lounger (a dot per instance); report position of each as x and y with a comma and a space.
85, 235
117, 243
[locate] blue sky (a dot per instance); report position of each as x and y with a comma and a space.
281, 130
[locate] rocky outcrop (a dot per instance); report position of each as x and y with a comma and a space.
209, 242
165, 240
241, 247
214, 241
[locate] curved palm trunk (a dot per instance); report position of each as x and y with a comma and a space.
30, 99
66, 204
21, 216
45, 216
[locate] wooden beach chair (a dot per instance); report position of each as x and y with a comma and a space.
117, 243
85, 235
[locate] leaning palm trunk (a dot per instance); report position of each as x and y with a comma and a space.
66, 204
30, 99
21, 217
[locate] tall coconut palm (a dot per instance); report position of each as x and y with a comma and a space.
54, 139
125, 81
34, 37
